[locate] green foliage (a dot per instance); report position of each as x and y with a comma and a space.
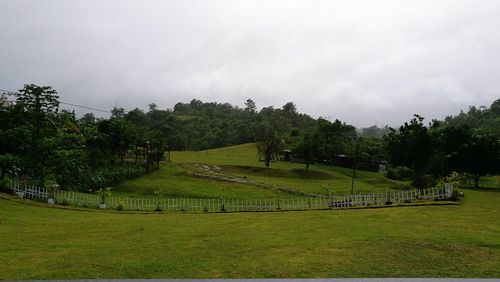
333, 138
468, 143
39, 141
104, 193
399, 173
4, 186
51, 186
374, 132
480, 120
307, 150
411, 146
8, 164
200, 125
111, 175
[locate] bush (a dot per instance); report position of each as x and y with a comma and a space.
119, 207
427, 181
399, 173
110, 176
455, 195
4, 186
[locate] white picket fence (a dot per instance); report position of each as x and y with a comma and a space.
29, 192
222, 204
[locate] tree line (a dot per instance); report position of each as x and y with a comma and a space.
41, 143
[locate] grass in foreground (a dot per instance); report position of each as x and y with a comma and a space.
434, 241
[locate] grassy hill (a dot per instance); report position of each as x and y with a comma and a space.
38, 242
184, 177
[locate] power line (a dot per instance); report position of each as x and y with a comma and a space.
85, 107
60, 102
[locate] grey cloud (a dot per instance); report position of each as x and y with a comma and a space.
359, 61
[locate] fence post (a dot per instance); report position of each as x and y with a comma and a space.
222, 204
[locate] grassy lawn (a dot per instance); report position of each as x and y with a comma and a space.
433, 241
173, 181
241, 161
245, 155
315, 178
41, 242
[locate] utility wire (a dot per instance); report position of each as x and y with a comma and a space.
85, 107
60, 102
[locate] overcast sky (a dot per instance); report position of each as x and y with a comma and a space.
364, 62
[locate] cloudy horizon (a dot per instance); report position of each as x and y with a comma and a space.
363, 62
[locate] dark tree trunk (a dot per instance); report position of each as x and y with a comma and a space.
307, 165
476, 181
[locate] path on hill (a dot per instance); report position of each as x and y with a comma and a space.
215, 172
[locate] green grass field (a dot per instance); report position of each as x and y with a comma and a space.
174, 178
38, 241
173, 181
428, 241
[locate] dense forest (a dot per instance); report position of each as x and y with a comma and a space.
42, 144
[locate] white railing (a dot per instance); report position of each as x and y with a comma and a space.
190, 204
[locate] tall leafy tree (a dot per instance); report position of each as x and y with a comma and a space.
40, 102
478, 157
411, 146
307, 149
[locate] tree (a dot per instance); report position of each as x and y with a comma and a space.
118, 112
478, 157
289, 109
269, 133
7, 163
307, 149
411, 146
40, 103
269, 142
250, 106
333, 138
40, 107
117, 134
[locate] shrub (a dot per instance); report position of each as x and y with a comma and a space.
455, 195
110, 176
119, 207
4, 186
51, 186
426, 181
399, 173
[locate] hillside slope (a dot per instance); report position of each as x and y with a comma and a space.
235, 172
